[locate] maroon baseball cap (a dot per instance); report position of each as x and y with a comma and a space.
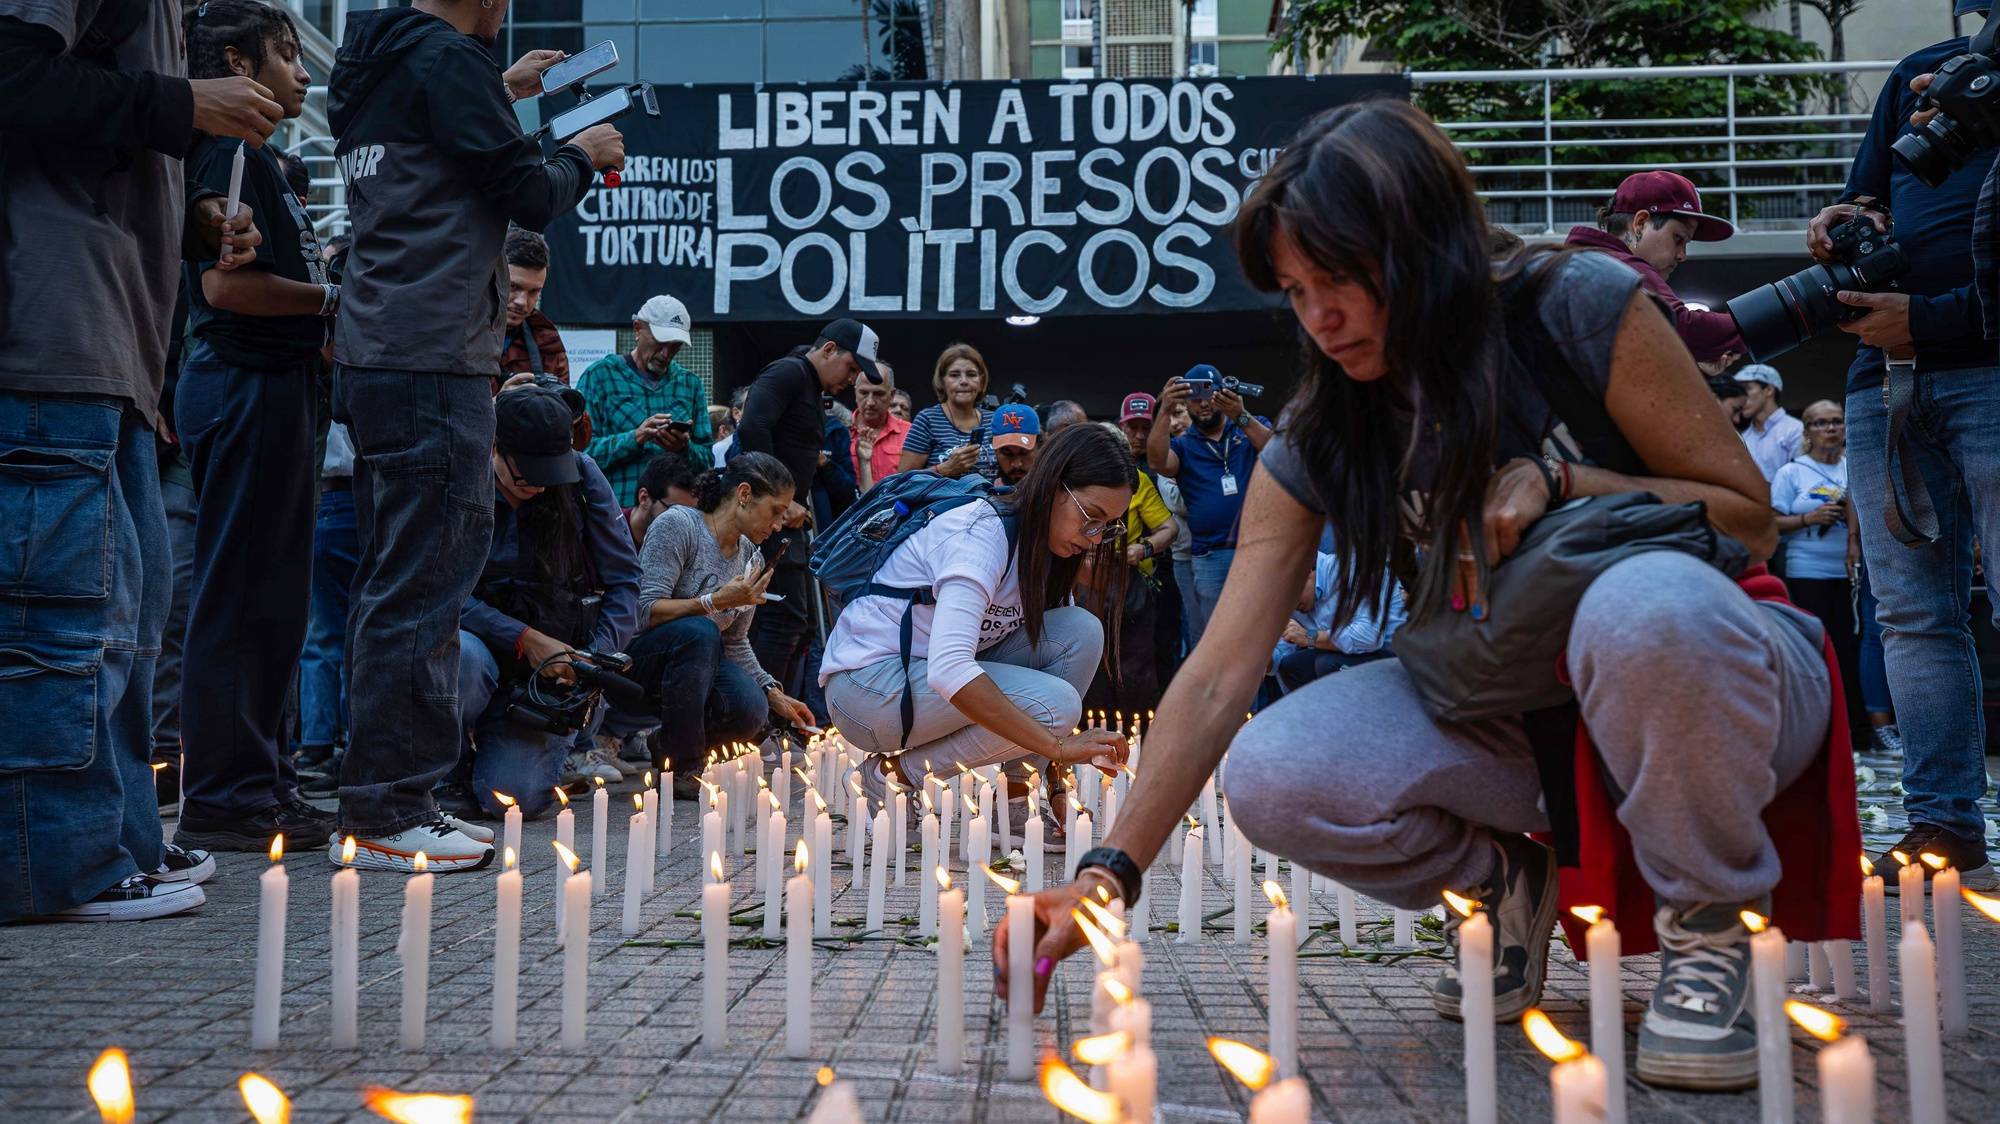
1669, 195
1139, 405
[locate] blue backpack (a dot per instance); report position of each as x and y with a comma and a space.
852, 551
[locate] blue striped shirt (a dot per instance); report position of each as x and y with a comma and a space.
932, 434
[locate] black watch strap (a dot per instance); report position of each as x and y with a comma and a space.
1121, 868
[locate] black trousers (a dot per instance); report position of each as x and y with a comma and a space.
1832, 601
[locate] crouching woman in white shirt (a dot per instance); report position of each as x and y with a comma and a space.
999, 664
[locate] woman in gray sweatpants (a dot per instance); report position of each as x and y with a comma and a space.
1453, 399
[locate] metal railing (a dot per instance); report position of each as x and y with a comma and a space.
1769, 158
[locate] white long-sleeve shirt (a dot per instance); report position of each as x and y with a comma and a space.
963, 556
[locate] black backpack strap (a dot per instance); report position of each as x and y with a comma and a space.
1910, 514
906, 640
1552, 738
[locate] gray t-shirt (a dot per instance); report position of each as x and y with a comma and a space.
680, 560
89, 295
1582, 307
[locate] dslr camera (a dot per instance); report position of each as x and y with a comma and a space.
1201, 388
560, 708
1966, 94
1016, 395
1778, 317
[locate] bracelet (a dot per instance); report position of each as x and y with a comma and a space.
708, 603
1549, 479
330, 300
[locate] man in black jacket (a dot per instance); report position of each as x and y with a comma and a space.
435, 166
783, 417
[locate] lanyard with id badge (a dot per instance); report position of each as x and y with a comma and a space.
1228, 479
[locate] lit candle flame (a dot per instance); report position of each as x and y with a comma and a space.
508, 859
1101, 1049
567, 856
943, 878
1107, 953
1461, 905
1988, 906
971, 806
1009, 885
562, 796
715, 865
1106, 920
1867, 867
1901, 858
638, 802
1553, 1044
825, 1076
1245, 1062
161, 766
773, 798
1588, 914
417, 1108
1066, 1091
599, 780
347, 850
1754, 921
421, 863
505, 800
1275, 892
1192, 823
648, 778
111, 1087
267, 1103
1119, 993
1935, 862
819, 800
803, 860
1821, 1024
277, 847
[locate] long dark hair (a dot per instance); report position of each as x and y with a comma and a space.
1374, 192
766, 475
1081, 456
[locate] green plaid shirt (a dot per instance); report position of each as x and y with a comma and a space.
619, 398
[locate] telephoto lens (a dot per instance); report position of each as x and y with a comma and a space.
1966, 92
1778, 317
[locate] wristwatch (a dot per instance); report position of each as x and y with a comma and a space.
1118, 864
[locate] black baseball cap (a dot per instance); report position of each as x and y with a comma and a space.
532, 424
860, 339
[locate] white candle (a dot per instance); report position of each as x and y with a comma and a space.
857, 836
506, 951
774, 874
1578, 1088
712, 826
1107, 799
1210, 821
1406, 928
798, 956
1302, 898
576, 957
1350, 916
822, 854
565, 835
715, 958
1141, 922
1876, 917
1133, 1076
1921, 1050
837, 1102
510, 821
1910, 887
600, 826
1281, 949
1084, 836
235, 201
663, 827
1475, 982
1604, 948
899, 834
1241, 883
1032, 844
781, 780
638, 844
413, 945
927, 844
976, 842
1190, 919
1847, 1082
274, 895
723, 820
878, 873
951, 975
345, 974
947, 813
1774, 1038
1020, 982
1946, 915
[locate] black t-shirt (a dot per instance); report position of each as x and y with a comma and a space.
290, 249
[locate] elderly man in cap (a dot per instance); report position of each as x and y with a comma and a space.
644, 403
1647, 225
1773, 436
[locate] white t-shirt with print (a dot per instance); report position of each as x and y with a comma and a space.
963, 556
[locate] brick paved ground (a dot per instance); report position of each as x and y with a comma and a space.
176, 994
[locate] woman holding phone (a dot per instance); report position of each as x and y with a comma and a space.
950, 438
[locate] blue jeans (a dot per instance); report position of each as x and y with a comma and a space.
84, 588
1190, 608
705, 700
423, 504
248, 435
322, 669
521, 761
1875, 696
1210, 571
1925, 593
178, 498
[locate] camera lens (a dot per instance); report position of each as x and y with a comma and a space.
1933, 152
1778, 317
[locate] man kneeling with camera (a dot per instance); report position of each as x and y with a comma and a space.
541, 636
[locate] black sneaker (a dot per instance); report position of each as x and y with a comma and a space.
1699, 1032
302, 825
318, 769
1965, 852
177, 865
1521, 900
167, 785
687, 786
1885, 740
138, 898
455, 798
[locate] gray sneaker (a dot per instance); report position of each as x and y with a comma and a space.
1699, 1032
1521, 900
1886, 740
609, 749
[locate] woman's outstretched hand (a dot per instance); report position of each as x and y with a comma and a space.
1056, 934
1106, 749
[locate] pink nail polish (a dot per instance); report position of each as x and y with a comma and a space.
1458, 602
1043, 966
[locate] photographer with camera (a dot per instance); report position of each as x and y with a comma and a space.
1647, 225
1943, 373
560, 577
951, 438
701, 580
643, 403
1211, 464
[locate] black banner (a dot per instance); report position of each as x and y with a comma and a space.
968, 199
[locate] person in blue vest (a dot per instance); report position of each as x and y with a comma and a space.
1211, 463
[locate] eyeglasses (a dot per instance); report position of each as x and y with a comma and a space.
1826, 423
1093, 527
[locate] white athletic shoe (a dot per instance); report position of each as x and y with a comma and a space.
444, 847
471, 831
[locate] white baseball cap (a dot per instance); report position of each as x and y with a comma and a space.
1761, 372
666, 317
